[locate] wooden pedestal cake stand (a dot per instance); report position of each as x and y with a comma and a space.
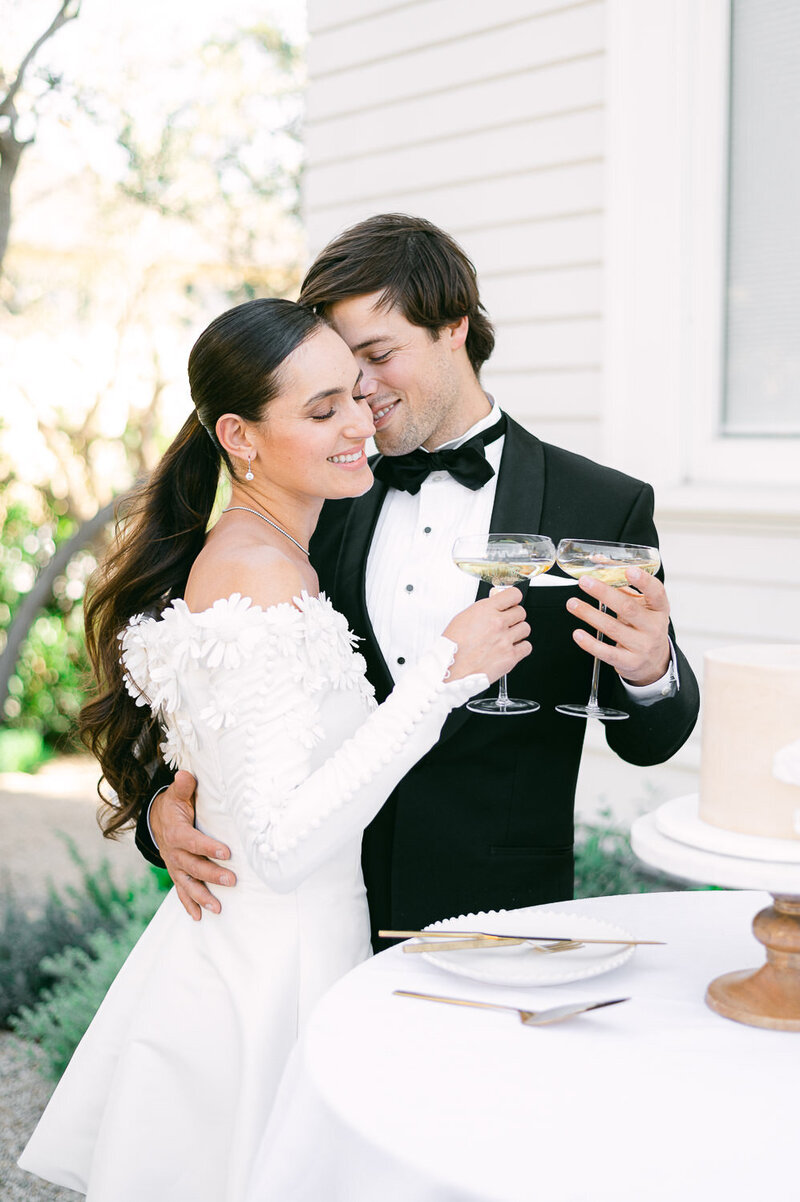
674, 839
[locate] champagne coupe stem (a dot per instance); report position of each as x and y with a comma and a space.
502, 685
502, 561
592, 703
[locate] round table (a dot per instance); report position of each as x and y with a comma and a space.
389, 1099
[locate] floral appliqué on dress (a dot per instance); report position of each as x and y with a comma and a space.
308, 641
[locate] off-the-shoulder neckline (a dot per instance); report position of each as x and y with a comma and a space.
243, 604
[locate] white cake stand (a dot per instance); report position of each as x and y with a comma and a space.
674, 839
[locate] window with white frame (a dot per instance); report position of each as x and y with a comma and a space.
702, 365
761, 390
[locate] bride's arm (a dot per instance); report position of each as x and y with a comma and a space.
292, 818
289, 832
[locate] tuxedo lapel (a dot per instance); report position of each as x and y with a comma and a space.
518, 503
519, 496
350, 577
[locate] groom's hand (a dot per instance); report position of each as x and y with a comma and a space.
185, 850
639, 641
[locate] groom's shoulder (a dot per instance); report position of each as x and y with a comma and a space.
568, 469
586, 472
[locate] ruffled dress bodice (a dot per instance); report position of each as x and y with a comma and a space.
250, 701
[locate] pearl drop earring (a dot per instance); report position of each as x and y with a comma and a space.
249, 473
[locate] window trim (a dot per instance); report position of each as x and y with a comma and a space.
668, 109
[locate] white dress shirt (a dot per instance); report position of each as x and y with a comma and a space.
413, 587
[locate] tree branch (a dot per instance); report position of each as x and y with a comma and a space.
42, 590
68, 11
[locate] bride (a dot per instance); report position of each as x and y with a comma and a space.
217, 647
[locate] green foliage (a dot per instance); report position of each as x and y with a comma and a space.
81, 978
606, 865
28, 942
22, 750
46, 689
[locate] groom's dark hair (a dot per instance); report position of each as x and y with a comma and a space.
413, 265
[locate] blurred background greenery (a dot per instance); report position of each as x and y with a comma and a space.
45, 686
130, 215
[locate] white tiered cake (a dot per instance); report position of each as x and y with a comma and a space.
751, 713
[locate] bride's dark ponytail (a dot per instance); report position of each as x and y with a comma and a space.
161, 528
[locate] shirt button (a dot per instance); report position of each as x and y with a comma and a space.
401, 659
427, 530
409, 588
666, 690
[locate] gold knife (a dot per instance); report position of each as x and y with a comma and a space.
490, 935
460, 945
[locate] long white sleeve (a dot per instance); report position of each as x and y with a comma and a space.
290, 832
249, 697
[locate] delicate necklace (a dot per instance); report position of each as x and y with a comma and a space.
275, 525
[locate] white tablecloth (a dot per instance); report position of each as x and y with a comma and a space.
389, 1099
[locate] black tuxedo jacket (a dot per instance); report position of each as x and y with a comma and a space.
485, 819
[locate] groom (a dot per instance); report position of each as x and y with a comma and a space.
485, 820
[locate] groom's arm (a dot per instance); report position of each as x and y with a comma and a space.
641, 647
162, 779
656, 729
166, 836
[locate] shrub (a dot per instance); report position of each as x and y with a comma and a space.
81, 978
68, 920
46, 689
22, 750
605, 863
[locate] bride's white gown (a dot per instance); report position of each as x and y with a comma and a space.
170, 1089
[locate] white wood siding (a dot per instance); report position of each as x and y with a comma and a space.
489, 121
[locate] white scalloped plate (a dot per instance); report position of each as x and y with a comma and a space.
522, 965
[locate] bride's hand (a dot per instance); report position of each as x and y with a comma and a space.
492, 636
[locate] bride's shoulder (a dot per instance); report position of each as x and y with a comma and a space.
303, 640
262, 573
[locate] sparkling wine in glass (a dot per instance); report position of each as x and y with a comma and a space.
607, 562
503, 560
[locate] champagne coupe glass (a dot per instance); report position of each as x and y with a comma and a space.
607, 562
503, 560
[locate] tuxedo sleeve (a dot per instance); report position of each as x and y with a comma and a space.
162, 777
652, 733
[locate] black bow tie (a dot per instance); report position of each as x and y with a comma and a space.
466, 464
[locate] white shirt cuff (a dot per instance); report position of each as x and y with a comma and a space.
149, 808
667, 686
